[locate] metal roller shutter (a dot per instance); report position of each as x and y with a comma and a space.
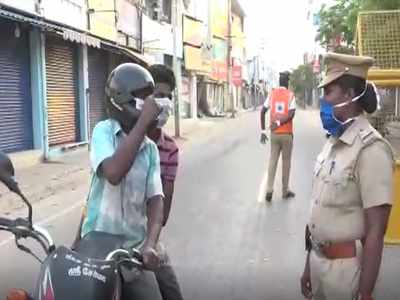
15, 98
98, 69
62, 95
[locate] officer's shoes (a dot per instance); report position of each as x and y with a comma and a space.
289, 194
268, 197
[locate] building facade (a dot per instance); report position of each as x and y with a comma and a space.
54, 62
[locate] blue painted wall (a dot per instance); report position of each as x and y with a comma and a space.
83, 88
38, 87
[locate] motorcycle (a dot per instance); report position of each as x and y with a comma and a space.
94, 270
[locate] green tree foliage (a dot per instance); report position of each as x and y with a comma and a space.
302, 81
337, 23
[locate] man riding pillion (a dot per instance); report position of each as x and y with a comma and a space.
126, 194
165, 83
352, 189
282, 106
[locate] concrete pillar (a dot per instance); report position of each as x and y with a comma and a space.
112, 62
38, 90
315, 98
193, 96
83, 93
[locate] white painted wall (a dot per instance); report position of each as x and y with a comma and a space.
69, 12
159, 38
128, 20
199, 10
24, 5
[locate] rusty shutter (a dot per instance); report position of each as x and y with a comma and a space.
15, 97
62, 96
98, 69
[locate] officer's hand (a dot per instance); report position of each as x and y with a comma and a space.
151, 261
274, 126
150, 111
264, 138
305, 281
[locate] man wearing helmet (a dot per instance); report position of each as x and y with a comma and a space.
126, 194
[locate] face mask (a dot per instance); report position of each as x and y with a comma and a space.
378, 96
330, 123
166, 106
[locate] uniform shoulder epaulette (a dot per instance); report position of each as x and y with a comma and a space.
368, 135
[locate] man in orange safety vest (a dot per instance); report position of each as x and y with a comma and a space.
282, 106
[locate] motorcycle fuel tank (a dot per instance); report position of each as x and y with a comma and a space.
67, 275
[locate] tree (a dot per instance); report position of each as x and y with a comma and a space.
337, 23
335, 27
303, 81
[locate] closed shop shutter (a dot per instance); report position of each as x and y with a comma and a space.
16, 132
62, 95
98, 73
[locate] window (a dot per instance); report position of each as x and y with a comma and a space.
167, 10
152, 9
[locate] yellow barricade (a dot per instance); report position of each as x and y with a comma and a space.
393, 231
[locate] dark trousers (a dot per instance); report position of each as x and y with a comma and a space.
167, 280
143, 287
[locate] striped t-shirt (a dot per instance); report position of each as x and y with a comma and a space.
169, 154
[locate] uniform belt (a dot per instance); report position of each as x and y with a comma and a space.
336, 250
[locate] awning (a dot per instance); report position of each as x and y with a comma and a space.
74, 36
21, 18
77, 37
67, 34
137, 56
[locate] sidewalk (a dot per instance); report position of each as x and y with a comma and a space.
40, 181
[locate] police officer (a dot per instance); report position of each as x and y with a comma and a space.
352, 188
282, 106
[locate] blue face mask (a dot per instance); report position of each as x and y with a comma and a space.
327, 113
329, 122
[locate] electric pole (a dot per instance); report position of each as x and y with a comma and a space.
176, 66
229, 60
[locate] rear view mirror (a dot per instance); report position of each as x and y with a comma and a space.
7, 173
7, 177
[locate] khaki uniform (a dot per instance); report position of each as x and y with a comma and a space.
280, 143
353, 173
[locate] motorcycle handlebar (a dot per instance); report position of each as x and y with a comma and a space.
134, 256
21, 228
7, 222
22, 222
19, 222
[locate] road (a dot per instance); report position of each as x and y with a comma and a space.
224, 240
